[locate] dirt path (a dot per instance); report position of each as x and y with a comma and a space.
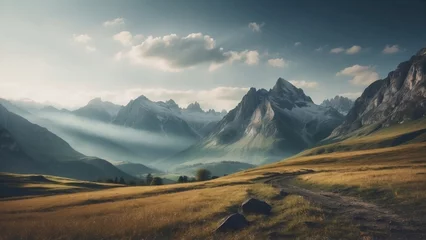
377, 222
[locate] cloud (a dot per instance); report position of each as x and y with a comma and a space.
296, 44
82, 38
391, 49
353, 50
255, 27
124, 37
320, 49
303, 84
337, 50
173, 53
114, 22
351, 95
362, 75
90, 49
277, 62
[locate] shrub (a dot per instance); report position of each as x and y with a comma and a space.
157, 181
203, 174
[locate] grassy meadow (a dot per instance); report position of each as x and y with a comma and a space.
391, 177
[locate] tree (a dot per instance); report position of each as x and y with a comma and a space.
109, 180
116, 180
157, 181
122, 180
182, 179
203, 174
148, 178
185, 178
132, 183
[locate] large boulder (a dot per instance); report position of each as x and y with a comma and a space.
232, 222
253, 205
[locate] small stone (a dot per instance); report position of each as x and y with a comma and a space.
283, 193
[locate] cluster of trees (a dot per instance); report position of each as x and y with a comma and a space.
200, 175
115, 180
149, 180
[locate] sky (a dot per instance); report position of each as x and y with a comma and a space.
66, 53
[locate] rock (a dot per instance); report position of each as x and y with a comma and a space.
253, 205
232, 222
283, 193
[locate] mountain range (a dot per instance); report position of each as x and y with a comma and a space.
341, 104
266, 126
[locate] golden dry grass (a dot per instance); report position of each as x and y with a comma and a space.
394, 177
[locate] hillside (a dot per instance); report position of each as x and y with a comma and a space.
29, 148
368, 194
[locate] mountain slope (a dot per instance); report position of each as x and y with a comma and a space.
99, 110
265, 126
401, 96
154, 117
36, 141
13, 158
135, 169
29, 148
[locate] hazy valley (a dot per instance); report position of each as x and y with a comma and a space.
253, 134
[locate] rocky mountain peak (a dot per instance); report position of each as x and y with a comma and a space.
341, 104
399, 97
283, 89
421, 52
172, 104
95, 101
194, 107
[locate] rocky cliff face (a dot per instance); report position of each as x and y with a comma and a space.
278, 122
401, 96
341, 104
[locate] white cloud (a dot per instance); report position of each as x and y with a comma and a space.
303, 84
391, 49
90, 49
277, 62
114, 22
124, 37
81, 38
255, 27
362, 75
320, 49
296, 44
337, 50
353, 50
251, 57
351, 95
173, 53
